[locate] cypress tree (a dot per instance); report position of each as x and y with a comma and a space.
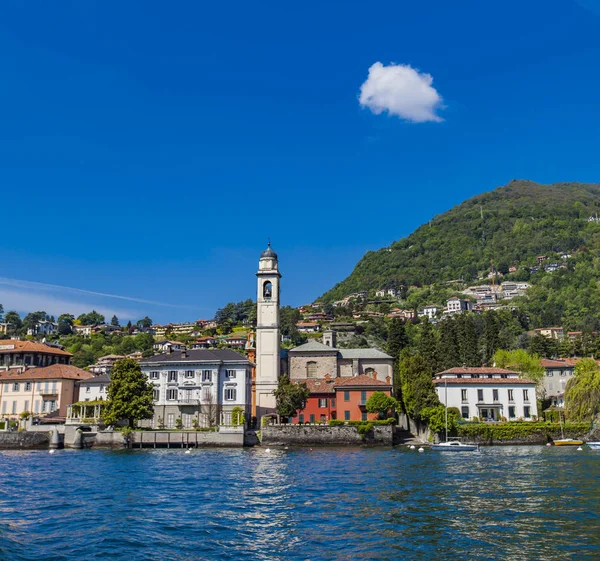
491, 332
448, 354
428, 345
397, 338
467, 341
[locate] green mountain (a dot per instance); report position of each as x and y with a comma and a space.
507, 227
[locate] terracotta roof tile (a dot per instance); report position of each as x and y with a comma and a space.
30, 346
55, 371
483, 381
319, 385
360, 381
477, 370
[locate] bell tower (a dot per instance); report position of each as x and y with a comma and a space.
267, 332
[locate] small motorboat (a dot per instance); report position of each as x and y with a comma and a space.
594, 445
568, 442
454, 446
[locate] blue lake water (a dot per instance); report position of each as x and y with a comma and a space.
505, 503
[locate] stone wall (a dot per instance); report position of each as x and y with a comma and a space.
326, 363
23, 440
324, 435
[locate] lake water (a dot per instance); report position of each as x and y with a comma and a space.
505, 503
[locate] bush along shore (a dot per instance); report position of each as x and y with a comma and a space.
520, 432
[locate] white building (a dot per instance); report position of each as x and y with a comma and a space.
430, 311
456, 306
94, 389
557, 374
267, 332
490, 393
204, 385
104, 365
43, 328
85, 330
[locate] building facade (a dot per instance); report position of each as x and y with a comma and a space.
556, 375
201, 385
267, 332
490, 394
17, 356
40, 391
94, 389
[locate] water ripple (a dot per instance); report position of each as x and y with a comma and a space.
325, 504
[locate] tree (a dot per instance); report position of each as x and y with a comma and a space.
144, 324
418, 391
93, 318
397, 340
543, 346
582, 394
65, 324
491, 333
289, 317
435, 418
448, 349
130, 395
467, 341
290, 398
14, 321
1, 311
428, 346
31, 320
526, 364
114, 321
382, 404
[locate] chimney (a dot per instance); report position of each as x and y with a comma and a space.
388, 380
374, 375
183, 352
327, 377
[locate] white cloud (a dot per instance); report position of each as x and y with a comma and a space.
402, 91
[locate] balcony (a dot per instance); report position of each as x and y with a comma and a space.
189, 401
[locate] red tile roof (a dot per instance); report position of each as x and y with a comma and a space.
477, 370
317, 385
30, 346
360, 381
53, 372
483, 381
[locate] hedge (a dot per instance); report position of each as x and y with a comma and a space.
516, 430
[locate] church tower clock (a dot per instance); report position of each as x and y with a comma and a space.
267, 332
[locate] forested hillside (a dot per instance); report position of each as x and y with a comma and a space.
508, 227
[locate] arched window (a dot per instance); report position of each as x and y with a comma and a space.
311, 369
267, 290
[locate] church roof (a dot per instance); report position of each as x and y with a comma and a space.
363, 353
268, 253
313, 346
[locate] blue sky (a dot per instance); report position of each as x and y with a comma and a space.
148, 151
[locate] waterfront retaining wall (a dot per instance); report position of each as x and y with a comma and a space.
23, 440
325, 435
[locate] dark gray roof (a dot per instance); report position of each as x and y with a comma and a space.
312, 346
268, 253
102, 379
197, 355
363, 353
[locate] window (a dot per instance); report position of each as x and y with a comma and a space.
16, 386
346, 395
464, 411
267, 290
311, 369
154, 375
230, 374
312, 418
206, 375
463, 395
363, 416
495, 395
333, 402
26, 408
503, 375
230, 394
87, 389
37, 406
323, 418
525, 395
480, 396
27, 386
550, 373
511, 412
527, 412
301, 418
53, 386
189, 373
511, 396
206, 395
170, 420
171, 394
156, 395
172, 376
363, 397
346, 415
563, 373
101, 388
489, 375
322, 402
4, 408
459, 375
187, 420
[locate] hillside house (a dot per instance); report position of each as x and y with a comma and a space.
457, 306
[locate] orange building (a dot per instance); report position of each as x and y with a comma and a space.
340, 398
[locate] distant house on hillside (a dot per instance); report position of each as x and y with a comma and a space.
456, 306
430, 311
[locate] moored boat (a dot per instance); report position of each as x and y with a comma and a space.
568, 442
594, 445
454, 446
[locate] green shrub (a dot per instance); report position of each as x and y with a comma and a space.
515, 430
336, 423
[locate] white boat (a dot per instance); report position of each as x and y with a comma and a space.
454, 446
594, 445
